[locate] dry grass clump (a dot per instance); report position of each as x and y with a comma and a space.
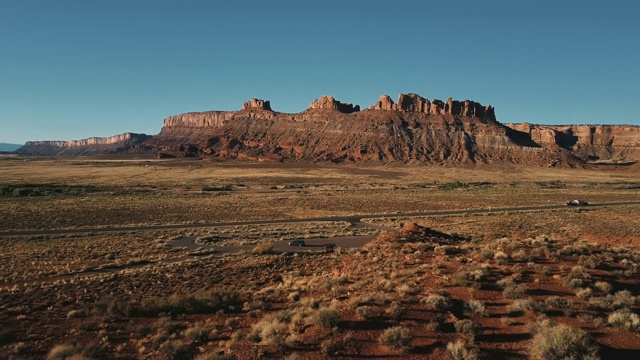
396, 338
263, 247
439, 301
558, 342
625, 320
526, 304
458, 350
475, 307
63, 352
198, 302
467, 328
270, 331
325, 318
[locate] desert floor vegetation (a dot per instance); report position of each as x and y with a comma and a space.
553, 283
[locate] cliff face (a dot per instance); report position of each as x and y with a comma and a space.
416, 103
588, 142
414, 129
92, 146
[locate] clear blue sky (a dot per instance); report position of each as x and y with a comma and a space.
72, 69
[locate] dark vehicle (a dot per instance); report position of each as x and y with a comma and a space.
297, 243
576, 203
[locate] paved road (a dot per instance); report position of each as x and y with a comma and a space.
353, 219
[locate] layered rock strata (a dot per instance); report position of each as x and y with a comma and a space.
414, 129
91, 146
588, 142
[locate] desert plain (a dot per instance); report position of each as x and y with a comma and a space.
127, 258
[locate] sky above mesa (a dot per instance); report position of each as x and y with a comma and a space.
72, 69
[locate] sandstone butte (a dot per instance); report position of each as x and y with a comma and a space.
411, 130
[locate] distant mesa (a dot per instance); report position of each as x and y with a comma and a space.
412, 129
328, 102
121, 143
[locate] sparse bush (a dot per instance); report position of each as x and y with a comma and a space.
562, 342
475, 307
396, 338
459, 278
214, 356
500, 257
331, 347
270, 331
560, 303
458, 351
203, 301
625, 320
198, 332
623, 299
453, 185
263, 247
115, 307
368, 312
528, 304
584, 293
325, 318
63, 352
514, 291
467, 327
603, 287
437, 301
395, 311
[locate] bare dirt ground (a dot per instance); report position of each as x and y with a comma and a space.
489, 285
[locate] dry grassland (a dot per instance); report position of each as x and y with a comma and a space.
545, 284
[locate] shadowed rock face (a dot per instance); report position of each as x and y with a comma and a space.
412, 130
588, 142
91, 146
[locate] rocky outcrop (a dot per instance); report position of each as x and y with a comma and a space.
384, 103
91, 146
588, 142
257, 104
328, 102
415, 103
199, 119
412, 102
